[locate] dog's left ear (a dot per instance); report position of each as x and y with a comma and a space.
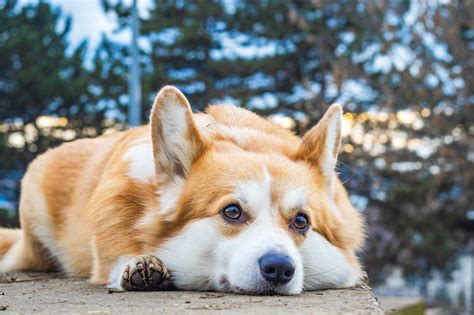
321, 144
177, 143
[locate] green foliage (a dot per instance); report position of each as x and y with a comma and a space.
41, 74
8, 220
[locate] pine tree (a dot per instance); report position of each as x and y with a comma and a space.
40, 74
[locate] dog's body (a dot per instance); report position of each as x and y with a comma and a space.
225, 199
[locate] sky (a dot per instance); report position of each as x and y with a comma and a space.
89, 20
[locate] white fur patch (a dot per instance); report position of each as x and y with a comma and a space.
115, 276
169, 195
190, 256
200, 258
10, 260
325, 266
256, 194
240, 256
39, 217
39, 222
140, 157
294, 198
168, 199
42, 226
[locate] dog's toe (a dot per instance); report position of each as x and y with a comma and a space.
145, 273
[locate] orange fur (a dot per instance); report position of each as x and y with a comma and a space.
9, 237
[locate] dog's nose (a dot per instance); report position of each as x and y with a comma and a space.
276, 268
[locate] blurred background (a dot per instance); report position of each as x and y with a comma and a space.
403, 71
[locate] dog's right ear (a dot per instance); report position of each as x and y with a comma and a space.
176, 140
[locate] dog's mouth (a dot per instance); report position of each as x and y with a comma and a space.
262, 288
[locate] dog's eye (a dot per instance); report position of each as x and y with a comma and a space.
301, 222
232, 212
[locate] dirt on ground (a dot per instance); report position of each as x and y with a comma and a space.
27, 293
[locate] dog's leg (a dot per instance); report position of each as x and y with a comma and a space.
122, 266
26, 254
139, 273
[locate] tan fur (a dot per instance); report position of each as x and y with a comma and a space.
94, 207
8, 237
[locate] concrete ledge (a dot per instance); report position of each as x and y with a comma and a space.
52, 294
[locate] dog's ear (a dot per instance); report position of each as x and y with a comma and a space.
321, 144
176, 140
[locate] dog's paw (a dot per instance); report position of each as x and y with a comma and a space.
144, 273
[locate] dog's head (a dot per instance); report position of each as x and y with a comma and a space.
246, 211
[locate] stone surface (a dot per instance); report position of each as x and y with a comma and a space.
52, 294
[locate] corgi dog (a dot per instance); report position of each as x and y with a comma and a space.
222, 200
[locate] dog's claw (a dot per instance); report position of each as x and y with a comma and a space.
145, 273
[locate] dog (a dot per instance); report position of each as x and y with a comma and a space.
223, 200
